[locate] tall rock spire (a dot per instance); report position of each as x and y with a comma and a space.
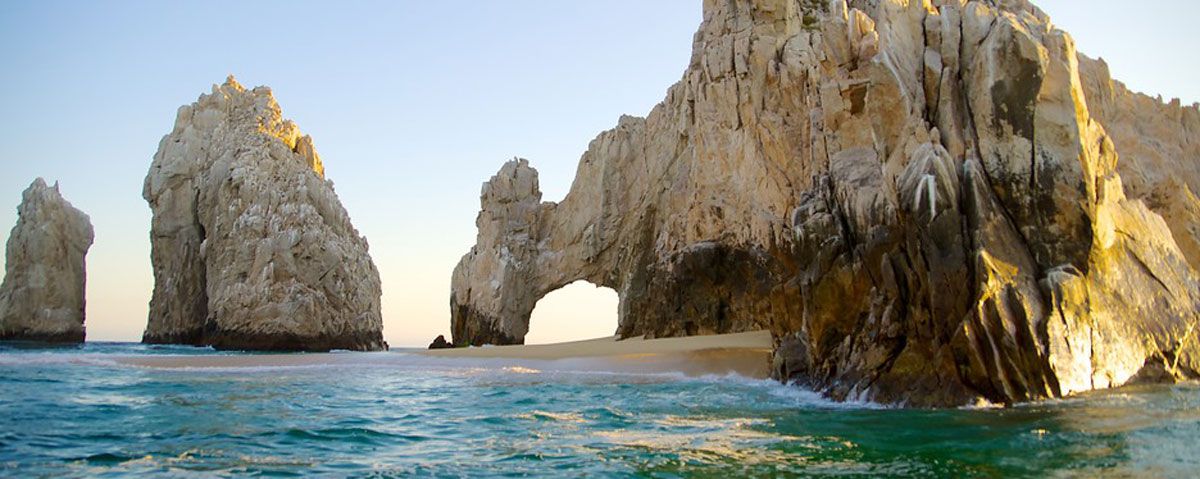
250, 246
43, 294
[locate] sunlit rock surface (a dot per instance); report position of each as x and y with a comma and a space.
250, 246
914, 197
43, 294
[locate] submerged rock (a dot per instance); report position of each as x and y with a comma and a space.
43, 294
250, 246
913, 197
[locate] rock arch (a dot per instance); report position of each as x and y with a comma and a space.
527, 248
578, 311
913, 196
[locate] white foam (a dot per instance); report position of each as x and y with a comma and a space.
801, 395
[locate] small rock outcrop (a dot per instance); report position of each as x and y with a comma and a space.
919, 199
43, 294
440, 343
250, 246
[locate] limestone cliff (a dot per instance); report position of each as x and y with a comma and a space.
250, 246
913, 196
42, 297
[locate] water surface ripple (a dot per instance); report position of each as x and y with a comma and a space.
80, 412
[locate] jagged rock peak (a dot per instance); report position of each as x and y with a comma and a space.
43, 294
920, 199
250, 246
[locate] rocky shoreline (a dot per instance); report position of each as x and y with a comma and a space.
928, 203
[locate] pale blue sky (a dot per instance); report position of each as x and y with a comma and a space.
411, 104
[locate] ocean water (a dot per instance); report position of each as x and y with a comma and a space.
83, 412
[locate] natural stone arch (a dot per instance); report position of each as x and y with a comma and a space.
912, 196
604, 232
496, 286
578, 311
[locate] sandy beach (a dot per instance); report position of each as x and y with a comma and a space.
745, 354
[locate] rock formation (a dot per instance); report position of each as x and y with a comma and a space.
440, 343
914, 197
42, 297
250, 246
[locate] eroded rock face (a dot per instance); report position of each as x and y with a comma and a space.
913, 196
43, 294
251, 247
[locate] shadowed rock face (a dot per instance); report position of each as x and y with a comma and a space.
250, 246
914, 197
43, 294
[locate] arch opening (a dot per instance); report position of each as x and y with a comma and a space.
575, 312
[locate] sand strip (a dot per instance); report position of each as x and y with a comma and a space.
611, 346
746, 354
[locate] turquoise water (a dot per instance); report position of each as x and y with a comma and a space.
79, 412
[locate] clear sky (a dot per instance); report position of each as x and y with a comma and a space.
412, 105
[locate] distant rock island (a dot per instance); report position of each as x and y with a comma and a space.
924, 202
251, 248
43, 294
